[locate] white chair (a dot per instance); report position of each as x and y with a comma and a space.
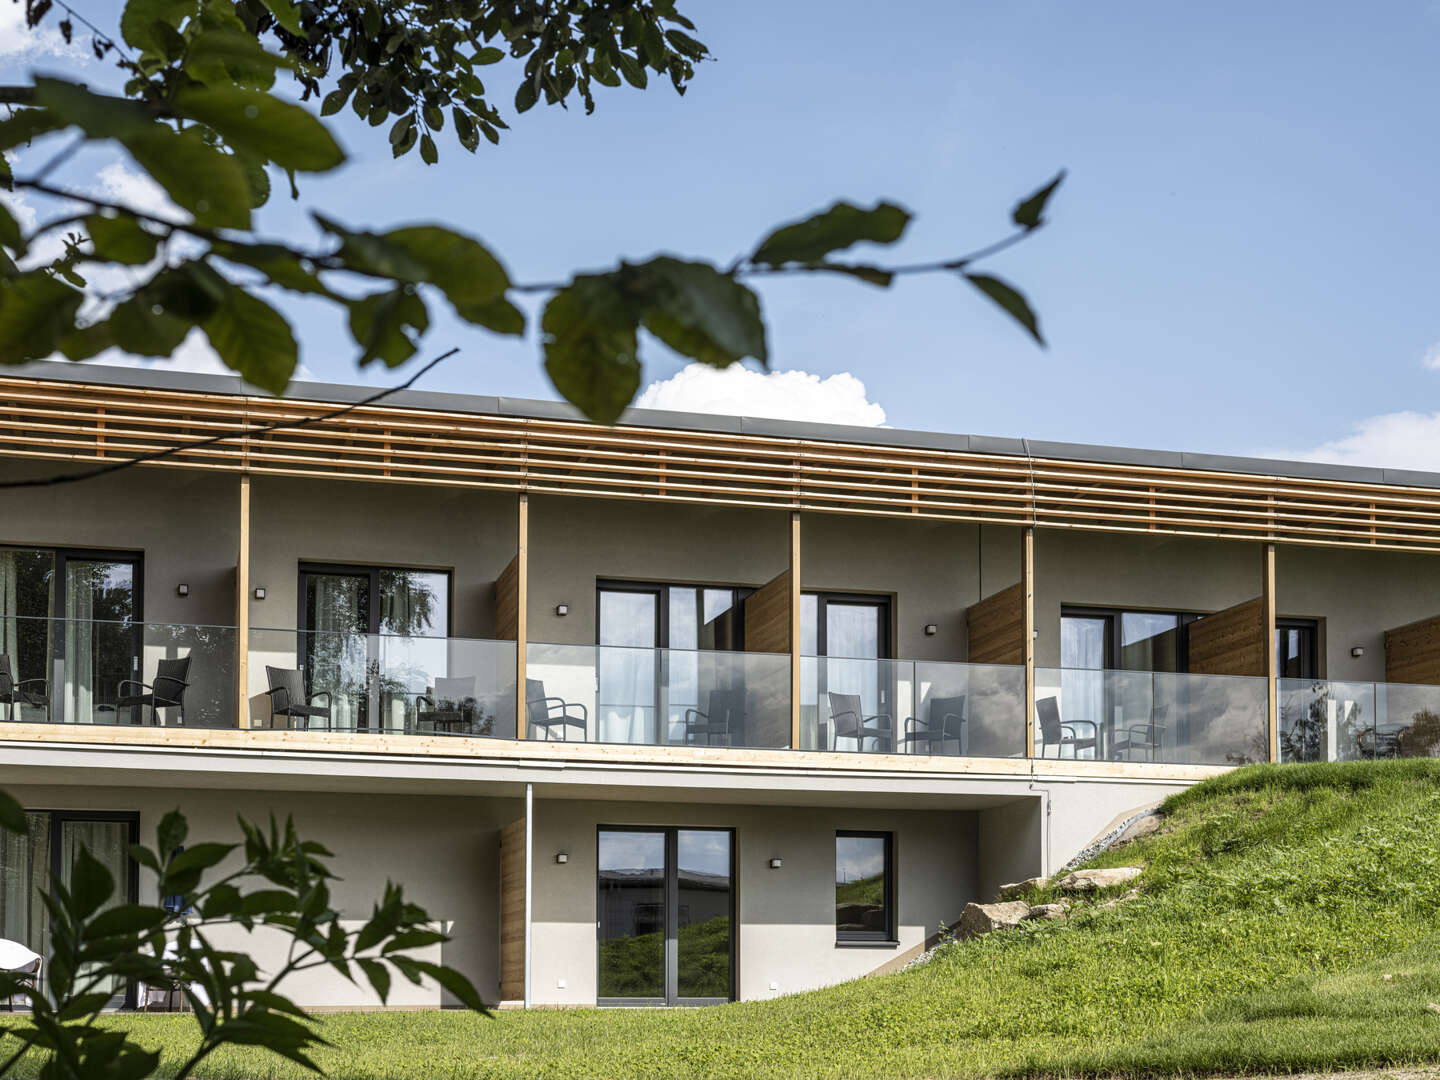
15, 957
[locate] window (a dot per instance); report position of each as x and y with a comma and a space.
1296, 648
1096, 638
864, 887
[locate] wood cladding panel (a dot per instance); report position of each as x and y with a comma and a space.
767, 617
1412, 653
56, 420
996, 628
507, 602
1231, 642
512, 911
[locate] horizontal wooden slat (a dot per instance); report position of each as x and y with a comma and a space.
52, 420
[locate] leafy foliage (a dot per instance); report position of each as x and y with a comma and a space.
201, 115
273, 879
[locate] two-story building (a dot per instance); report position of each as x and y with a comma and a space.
690, 709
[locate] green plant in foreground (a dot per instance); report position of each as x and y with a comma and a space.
98, 940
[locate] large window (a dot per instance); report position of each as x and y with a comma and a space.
53, 840
864, 887
1297, 648
665, 916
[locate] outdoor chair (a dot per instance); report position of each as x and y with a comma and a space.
1054, 733
166, 692
945, 724
288, 699
13, 693
450, 706
850, 722
544, 714
1141, 738
718, 723
19, 960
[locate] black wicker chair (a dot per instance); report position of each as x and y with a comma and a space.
288, 699
450, 707
15, 693
1054, 733
945, 723
851, 722
719, 723
172, 679
545, 714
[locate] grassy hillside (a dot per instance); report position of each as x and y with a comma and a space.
1275, 902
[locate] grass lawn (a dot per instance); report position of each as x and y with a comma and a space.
1275, 901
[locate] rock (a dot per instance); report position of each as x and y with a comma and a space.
1017, 889
1047, 912
1432, 1007
1110, 905
979, 919
1091, 880
1141, 826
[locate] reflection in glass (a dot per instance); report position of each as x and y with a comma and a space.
632, 914
1149, 641
100, 645
27, 583
703, 914
861, 888
336, 650
109, 843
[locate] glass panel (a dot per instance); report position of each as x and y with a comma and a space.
414, 618
703, 916
27, 582
809, 624
719, 621
856, 704
1208, 720
24, 875
968, 709
1149, 642
1407, 721
1326, 721
632, 914
860, 887
1295, 652
1082, 641
108, 842
334, 647
628, 677
414, 603
100, 642
852, 629
739, 698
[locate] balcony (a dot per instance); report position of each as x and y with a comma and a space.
1321, 720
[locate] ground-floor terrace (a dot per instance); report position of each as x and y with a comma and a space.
650, 877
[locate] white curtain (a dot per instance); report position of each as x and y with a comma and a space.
108, 842
24, 872
9, 609
79, 650
337, 649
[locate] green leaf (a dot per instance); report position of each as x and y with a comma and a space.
465, 129
871, 275
1029, 213
99, 115
199, 856
459, 265
171, 832
137, 23
589, 335
489, 55
136, 328
334, 102
632, 70
262, 125
379, 976
1010, 299
209, 184
379, 325
700, 312
12, 815
364, 252
91, 883
219, 56
428, 153
10, 234
286, 14
281, 265
685, 45
526, 96
253, 339
843, 224
454, 982
127, 919
499, 315
120, 239
26, 126
36, 310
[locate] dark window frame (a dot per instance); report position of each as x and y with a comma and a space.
1312, 658
1114, 631
661, 591
889, 935
884, 601
671, 834
372, 572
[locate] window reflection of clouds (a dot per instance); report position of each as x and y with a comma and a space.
858, 857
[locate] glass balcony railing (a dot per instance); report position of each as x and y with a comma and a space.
912, 707
1165, 717
86, 671
1324, 720
650, 697
326, 680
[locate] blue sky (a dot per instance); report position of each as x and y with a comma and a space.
1243, 258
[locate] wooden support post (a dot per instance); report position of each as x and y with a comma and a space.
242, 611
795, 629
1027, 589
522, 611
1272, 698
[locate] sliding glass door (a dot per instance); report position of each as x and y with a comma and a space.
665, 916
848, 685
373, 638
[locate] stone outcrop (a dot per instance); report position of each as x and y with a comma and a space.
1093, 880
979, 919
1047, 912
1017, 889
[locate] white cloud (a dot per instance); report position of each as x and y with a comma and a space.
1431, 360
118, 183
780, 395
19, 43
1398, 440
194, 354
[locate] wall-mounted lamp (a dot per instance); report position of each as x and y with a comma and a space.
931, 629
182, 589
260, 592
562, 610
1358, 651
776, 863
562, 857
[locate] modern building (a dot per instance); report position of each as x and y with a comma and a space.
691, 709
